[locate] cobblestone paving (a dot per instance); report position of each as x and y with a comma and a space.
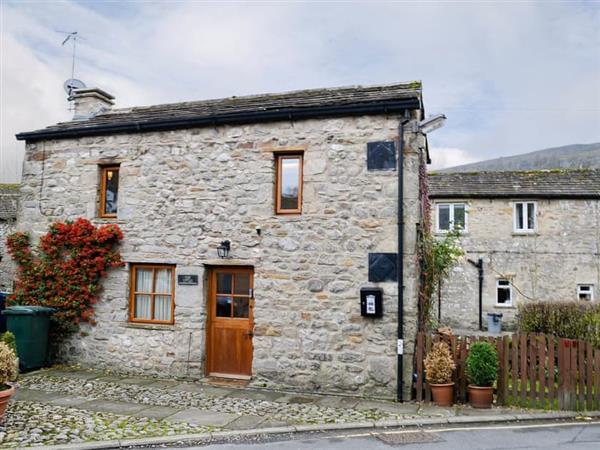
149, 395
32, 423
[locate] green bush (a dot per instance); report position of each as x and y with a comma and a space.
482, 364
9, 339
572, 320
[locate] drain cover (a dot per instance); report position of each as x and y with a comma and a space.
411, 437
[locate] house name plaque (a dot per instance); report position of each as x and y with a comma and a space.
187, 280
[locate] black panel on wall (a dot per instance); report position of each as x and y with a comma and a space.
381, 155
382, 267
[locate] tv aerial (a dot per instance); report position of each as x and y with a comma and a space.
72, 83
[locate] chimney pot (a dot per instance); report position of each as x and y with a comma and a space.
89, 102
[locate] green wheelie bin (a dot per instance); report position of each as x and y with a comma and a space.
30, 325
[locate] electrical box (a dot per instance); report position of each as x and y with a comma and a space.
371, 302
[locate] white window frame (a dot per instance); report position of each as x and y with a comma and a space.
510, 293
590, 291
525, 204
451, 205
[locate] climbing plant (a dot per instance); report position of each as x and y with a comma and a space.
437, 255
64, 270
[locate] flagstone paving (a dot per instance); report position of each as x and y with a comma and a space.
59, 406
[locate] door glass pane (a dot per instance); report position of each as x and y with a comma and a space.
143, 280
111, 191
223, 306
162, 307
241, 285
224, 281
163, 281
290, 180
444, 217
459, 217
142, 307
241, 307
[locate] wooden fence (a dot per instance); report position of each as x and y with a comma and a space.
535, 370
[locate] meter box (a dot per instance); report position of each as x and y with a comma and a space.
371, 302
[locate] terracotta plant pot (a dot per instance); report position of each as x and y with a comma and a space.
481, 397
5, 396
443, 394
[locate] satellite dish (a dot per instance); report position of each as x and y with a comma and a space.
72, 83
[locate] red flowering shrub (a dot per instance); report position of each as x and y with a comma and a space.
64, 272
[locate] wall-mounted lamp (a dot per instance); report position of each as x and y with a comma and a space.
223, 249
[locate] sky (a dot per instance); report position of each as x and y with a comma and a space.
511, 77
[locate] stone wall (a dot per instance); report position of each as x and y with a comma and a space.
182, 192
547, 265
8, 214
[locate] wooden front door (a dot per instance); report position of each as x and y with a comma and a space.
230, 322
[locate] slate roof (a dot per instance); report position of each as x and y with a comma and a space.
9, 195
582, 183
343, 101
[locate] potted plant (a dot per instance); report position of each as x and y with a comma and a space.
439, 365
482, 371
8, 372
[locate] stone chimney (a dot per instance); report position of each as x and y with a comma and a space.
89, 102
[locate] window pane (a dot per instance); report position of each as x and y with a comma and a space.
444, 217
530, 216
111, 191
519, 212
241, 285
503, 295
224, 281
163, 281
459, 216
241, 307
223, 306
289, 182
162, 307
143, 280
142, 307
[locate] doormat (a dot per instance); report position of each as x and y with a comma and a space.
411, 437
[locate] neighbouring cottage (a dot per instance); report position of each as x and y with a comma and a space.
9, 194
531, 235
251, 225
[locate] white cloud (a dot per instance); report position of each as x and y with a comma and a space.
442, 157
511, 77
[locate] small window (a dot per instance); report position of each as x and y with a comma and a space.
152, 297
525, 217
289, 184
585, 292
503, 293
451, 216
109, 191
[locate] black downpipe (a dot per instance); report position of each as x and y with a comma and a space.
400, 258
479, 265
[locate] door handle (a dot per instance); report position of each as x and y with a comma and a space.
250, 334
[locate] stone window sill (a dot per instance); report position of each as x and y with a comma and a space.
149, 326
525, 233
108, 220
505, 306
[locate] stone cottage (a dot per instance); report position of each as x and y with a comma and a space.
251, 225
530, 235
9, 194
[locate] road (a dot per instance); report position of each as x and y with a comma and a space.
584, 436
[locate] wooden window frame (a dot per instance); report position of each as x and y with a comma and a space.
132, 292
102, 208
279, 157
525, 205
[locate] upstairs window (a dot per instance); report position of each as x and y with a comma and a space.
152, 296
109, 191
289, 184
585, 292
525, 217
503, 293
451, 216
